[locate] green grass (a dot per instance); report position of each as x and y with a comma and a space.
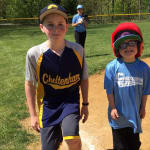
14, 43
98, 45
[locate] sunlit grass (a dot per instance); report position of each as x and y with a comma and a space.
14, 43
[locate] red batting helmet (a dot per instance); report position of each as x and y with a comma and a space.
135, 33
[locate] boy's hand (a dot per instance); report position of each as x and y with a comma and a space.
35, 123
142, 113
80, 22
114, 114
84, 113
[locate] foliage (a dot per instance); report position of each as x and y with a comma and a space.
31, 8
70, 6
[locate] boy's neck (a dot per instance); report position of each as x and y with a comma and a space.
80, 13
56, 46
130, 60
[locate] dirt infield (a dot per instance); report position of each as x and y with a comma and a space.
96, 132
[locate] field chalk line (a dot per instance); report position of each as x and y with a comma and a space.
89, 141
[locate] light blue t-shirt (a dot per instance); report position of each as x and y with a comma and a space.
79, 27
128, 82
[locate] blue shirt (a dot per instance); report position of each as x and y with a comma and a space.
128, 82
79, 27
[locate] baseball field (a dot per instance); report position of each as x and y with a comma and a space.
96, 132
15, 131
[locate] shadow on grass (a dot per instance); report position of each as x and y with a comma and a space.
102, 25
145, 56
89, 56
20, 29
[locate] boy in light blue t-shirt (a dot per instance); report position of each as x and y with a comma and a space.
127, 85
80, 23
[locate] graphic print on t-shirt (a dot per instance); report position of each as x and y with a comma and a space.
126, 81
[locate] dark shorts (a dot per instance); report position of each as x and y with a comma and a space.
52, 137
80, 37
125, 139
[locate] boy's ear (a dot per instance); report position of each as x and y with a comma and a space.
41, 27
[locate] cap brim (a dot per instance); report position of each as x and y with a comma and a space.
53, 11
80, 8
128, 37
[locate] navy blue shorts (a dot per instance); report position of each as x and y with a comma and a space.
52, 137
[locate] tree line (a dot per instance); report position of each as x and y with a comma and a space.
31, 8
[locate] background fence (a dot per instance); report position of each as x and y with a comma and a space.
98, 19
99, 11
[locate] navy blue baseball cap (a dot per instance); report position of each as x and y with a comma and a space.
53, 9
79, 7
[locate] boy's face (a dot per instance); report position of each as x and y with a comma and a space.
128, 49
54, 26
80, 11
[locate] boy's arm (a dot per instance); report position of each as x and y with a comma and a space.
84, 91
30, 91
114, 112
110, 98
143, 106
77, 23
85, 23
80, 22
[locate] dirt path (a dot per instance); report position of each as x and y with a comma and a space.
96, 132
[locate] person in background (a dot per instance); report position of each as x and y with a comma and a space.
80, 23
55, 71
127, 84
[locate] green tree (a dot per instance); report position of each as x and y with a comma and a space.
31, 8
2, 9
70, 6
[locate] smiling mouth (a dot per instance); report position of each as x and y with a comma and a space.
129, 51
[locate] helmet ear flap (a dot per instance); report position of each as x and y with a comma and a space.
140, 48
